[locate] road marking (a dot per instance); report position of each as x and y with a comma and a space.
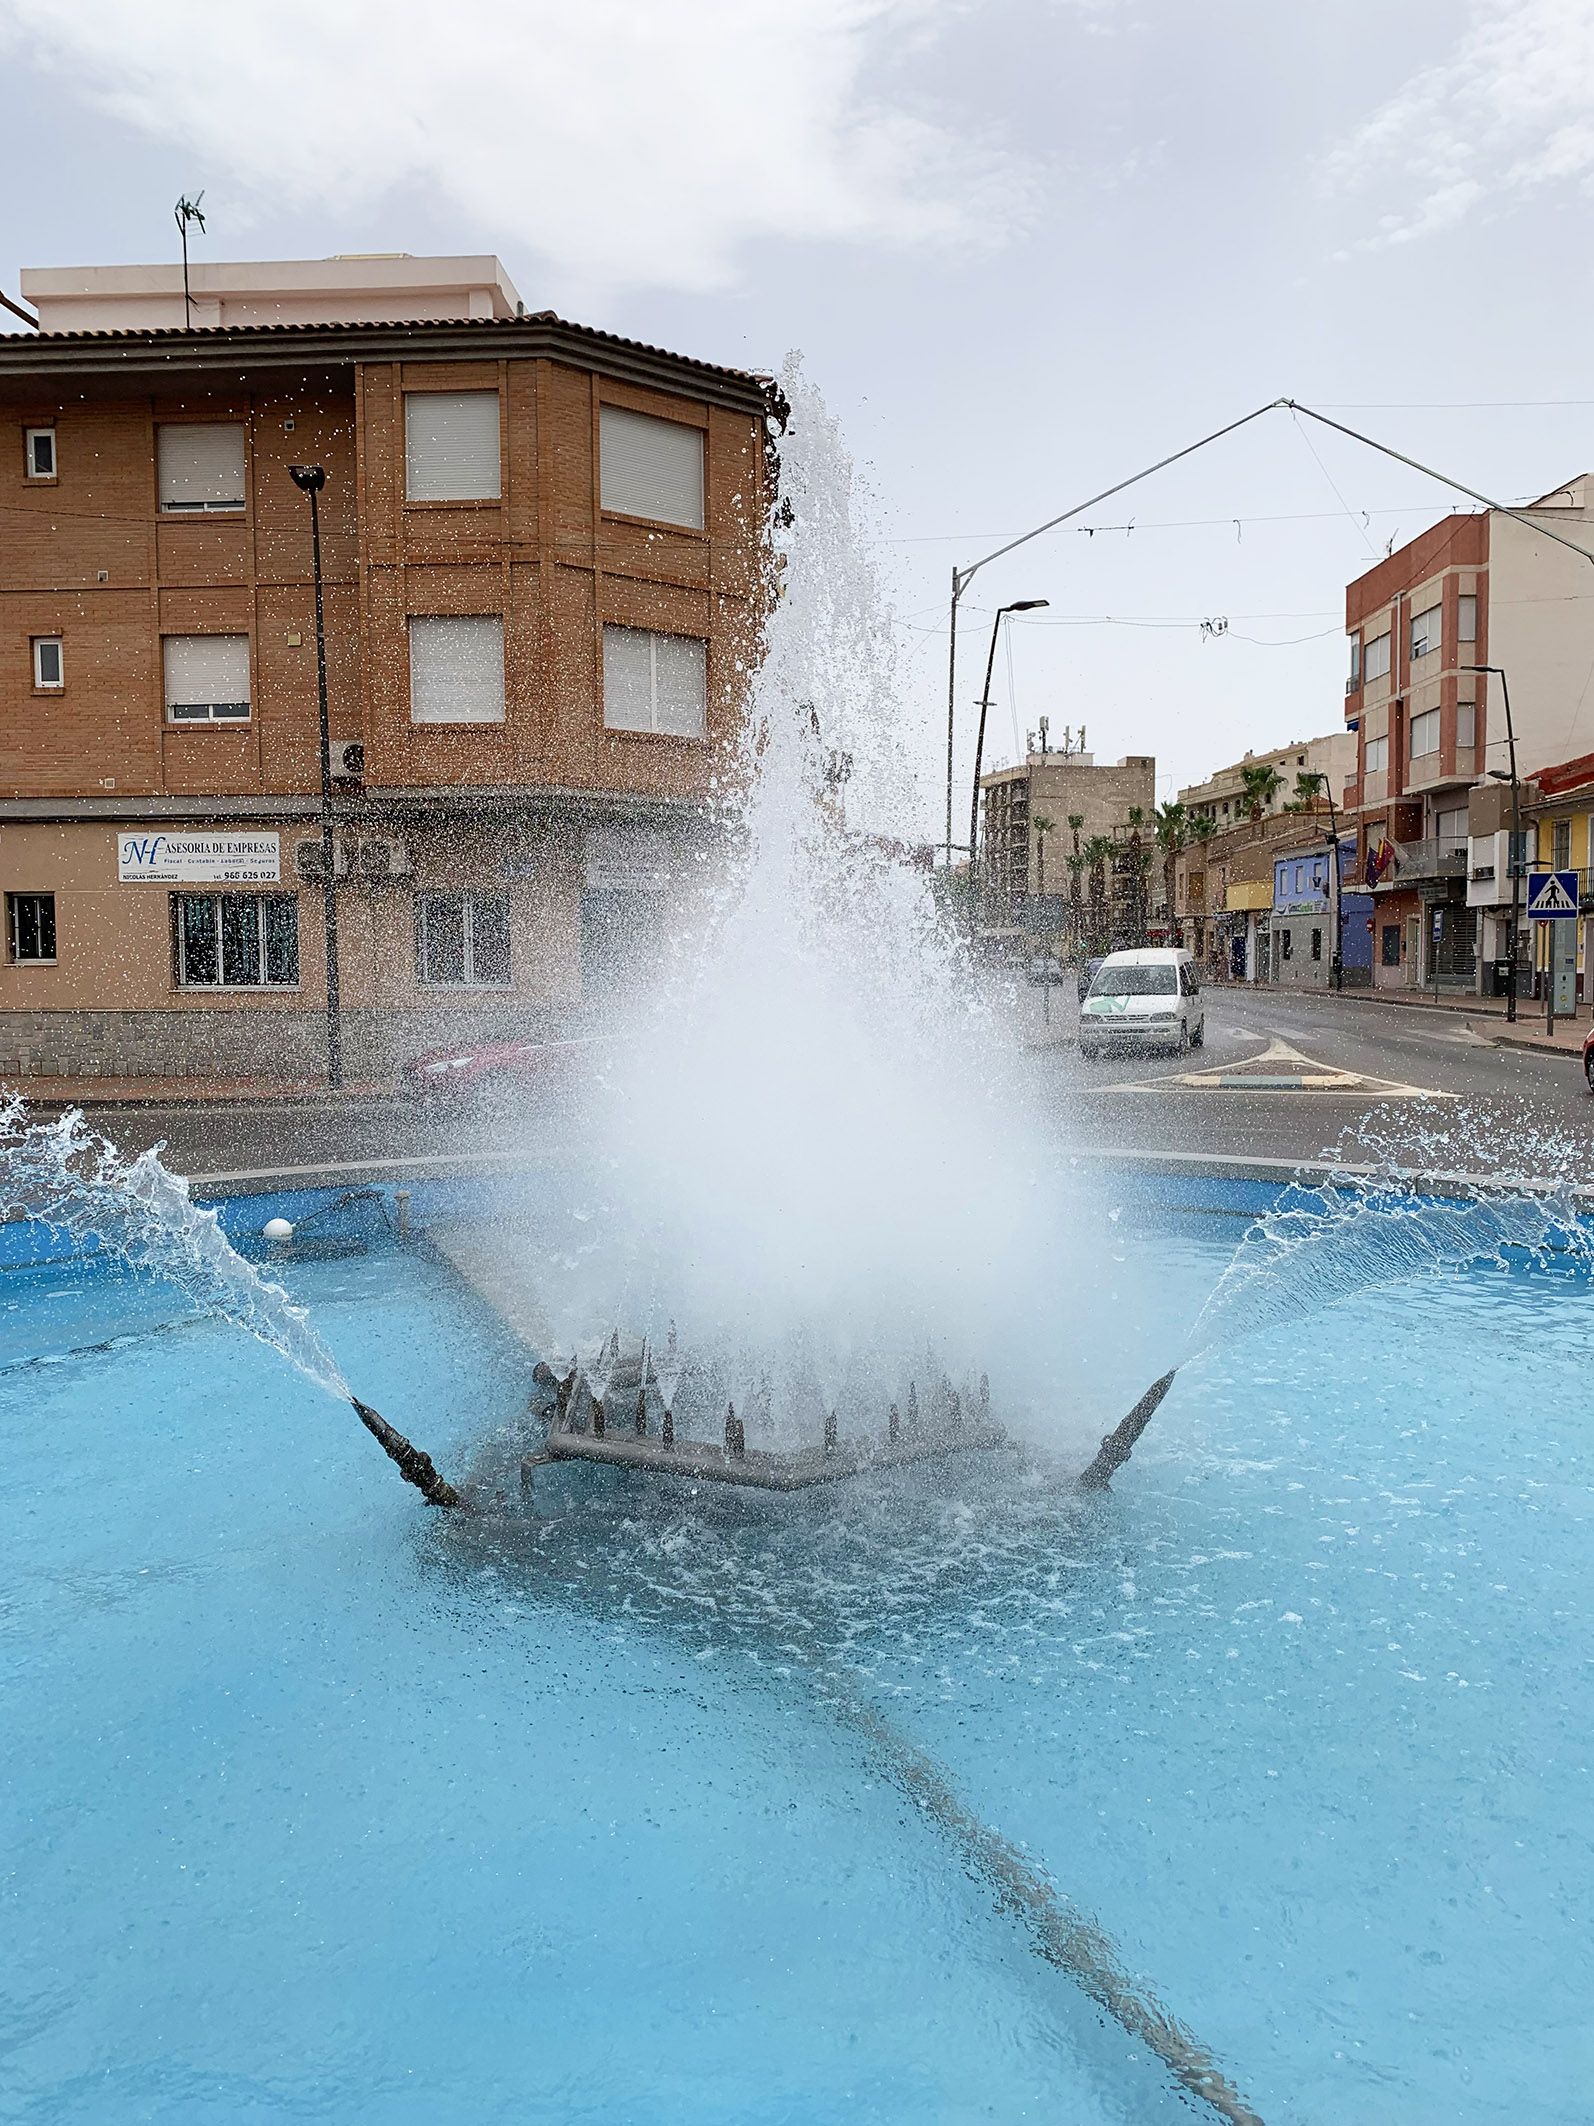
1283, 1069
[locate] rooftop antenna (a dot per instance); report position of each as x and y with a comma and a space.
185, 211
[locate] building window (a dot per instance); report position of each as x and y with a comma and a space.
38, 446
236, 940
1450, 830
1317, 944
1425, 734
30, 929
451, 447
1467, 617
1377, 756
201, 466
462, 940
207, 678
654, 682
1425, 630
1389, 945
1561, 845
1355, 678
457, 669
1288, 948
1466, 723
49, 673
651, 468
1375, 663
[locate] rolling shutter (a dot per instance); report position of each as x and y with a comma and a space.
451, 446
457, 670
201, 465
652, 468
206, 676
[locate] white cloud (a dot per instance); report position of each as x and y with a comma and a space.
627, 141
1510, 112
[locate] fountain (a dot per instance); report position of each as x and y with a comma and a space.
820, 1241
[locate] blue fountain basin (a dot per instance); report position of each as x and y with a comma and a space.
314, 1809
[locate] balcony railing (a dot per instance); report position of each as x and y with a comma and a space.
1430, 858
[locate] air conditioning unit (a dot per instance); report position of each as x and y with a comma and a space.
348, 759
309, 861
381, 856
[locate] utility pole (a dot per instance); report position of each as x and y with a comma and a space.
310, 479
1514, 852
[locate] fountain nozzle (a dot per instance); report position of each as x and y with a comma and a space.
415, 1467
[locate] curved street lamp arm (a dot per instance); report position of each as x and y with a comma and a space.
1445, 479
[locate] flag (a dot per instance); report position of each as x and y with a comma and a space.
1380, 860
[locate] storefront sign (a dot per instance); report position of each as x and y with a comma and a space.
198, 859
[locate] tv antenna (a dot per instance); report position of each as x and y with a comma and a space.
185, 211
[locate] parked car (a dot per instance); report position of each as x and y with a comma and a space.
1146, 999
1087, 974
1588, 1059
482, 1066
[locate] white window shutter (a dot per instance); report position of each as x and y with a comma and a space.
680, 685
457, 669
451, 446
651, 468
201, 465
627, 679
204, 670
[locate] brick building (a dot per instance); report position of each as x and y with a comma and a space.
542, 552
1476, 589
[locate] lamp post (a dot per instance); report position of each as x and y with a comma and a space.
1513, 864
1019, 605
310, 479
1336, 968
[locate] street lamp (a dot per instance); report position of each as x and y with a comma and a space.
310, 479
1513, 864
1019, 605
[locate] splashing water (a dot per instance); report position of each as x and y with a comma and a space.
1375, 1220
76, 1182
821, 1160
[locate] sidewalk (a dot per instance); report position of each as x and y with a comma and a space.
192, 1092
1485, 1015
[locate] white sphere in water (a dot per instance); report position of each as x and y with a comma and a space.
278, 1229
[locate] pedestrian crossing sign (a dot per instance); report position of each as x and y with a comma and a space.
1552, 895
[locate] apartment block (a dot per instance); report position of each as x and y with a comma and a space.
1026, 813
1484, 589
542, 561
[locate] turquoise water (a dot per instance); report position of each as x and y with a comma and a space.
318, 1809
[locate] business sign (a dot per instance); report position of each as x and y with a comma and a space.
1552, 896
198, 859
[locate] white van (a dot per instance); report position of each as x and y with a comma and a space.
1148, 999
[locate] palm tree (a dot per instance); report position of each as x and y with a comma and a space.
1171, 826
1138, 864
1076, 872
1309, 787
1260, 783
1096, 853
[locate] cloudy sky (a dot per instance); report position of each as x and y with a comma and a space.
1026, 247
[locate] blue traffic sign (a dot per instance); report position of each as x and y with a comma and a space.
1552, 896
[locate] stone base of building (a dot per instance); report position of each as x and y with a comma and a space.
271, 1042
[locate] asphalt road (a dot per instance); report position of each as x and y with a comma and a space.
1473, 1105
1476, 1103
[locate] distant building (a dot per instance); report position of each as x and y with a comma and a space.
1306, 911
1475, 589
1029, 846
1222, 798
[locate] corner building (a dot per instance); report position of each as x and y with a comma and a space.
542, 564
